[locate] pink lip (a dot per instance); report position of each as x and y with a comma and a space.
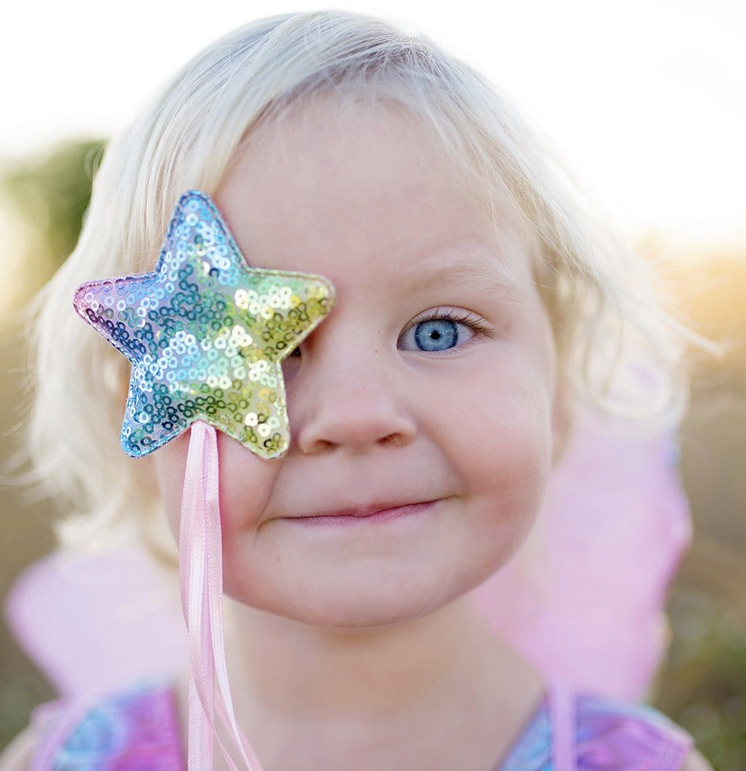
362, 516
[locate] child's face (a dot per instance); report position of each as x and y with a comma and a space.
432, 382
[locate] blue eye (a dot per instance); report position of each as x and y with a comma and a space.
436, 334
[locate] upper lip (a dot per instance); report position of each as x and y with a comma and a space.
366, 511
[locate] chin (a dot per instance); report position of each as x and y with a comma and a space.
368, 607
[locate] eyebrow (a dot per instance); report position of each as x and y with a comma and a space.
482, 267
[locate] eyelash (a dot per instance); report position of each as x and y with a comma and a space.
462, 317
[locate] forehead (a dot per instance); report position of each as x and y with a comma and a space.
368, 181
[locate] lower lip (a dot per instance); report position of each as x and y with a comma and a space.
380, 516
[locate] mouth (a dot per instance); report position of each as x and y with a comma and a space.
367, 514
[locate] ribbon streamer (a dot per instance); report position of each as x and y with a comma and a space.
201, 576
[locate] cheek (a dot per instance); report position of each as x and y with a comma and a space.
508, 483
246, 484
508, 444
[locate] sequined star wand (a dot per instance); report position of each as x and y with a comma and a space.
206, 335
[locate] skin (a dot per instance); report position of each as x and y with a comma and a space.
356, 639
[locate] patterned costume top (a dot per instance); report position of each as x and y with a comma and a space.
138, 730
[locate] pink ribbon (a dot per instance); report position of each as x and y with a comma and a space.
201, 575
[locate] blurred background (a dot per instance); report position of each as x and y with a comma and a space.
645, 100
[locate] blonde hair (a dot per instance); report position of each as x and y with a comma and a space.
599, 294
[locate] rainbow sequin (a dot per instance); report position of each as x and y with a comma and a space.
205, 334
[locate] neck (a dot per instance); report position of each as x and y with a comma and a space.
397, 679
297, 670
321, 690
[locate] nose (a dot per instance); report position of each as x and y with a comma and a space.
354, 406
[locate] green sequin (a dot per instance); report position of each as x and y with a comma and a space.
205, 334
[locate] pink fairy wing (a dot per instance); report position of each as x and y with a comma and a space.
584, 598
100, 621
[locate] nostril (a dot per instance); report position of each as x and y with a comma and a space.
395, 440
320, 445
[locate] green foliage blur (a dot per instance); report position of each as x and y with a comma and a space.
49, 195
54, 191
702, 685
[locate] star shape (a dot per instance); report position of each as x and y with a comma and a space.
205, 334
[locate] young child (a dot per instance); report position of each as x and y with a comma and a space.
474, 306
